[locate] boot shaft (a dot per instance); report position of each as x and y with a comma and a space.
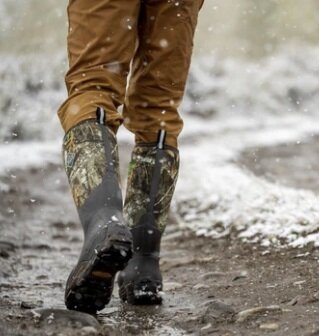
91, 162
152, 177
87, 160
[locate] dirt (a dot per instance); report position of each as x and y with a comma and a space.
212, 287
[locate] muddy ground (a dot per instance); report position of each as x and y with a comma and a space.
212, 287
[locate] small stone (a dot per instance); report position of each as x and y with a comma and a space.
297, 283
241, 275
110, 310
269, 326
89, 331
6, 248
207, 327
27, 305
61, 318
206, 259
170, 286
210, 275
248, 313
200, 286
304, 299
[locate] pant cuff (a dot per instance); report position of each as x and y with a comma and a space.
151, 137
81, 108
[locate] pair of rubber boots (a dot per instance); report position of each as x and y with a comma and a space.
115, 239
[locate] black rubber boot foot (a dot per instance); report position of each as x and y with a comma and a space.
92, 289
145, 292
141, 281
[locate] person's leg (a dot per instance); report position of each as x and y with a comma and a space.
160, 69
101, 43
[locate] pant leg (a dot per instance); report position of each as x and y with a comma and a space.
101, 43
160, 68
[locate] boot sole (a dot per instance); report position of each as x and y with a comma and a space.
145, 292
94, 285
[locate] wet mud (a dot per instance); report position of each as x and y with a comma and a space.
212, 287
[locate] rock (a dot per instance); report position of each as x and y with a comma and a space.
208, 329
269, 326
170, 286
241, 275
298, 283
205, 259
110, 310
6, 248
248, 313
62, 318
27, 305
304, 299
200, 286
210, 275
89, 331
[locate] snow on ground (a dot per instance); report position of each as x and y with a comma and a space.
245, 105
229, 106
24, 155
215, 197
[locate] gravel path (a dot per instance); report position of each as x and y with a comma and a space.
212, 287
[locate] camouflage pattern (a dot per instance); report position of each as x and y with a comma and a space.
85, 158
139, 184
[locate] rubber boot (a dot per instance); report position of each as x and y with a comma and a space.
91, 162
151, 183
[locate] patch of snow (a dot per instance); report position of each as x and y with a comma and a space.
23, 155
229, 200
216, 198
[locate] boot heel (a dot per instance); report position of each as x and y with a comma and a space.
95, 281
93, 287
145, 292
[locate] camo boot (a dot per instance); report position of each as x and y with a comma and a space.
151, 182
92, 166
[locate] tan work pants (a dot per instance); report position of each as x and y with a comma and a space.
105, 37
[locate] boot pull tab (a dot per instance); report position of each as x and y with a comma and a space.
161, 139
100, 115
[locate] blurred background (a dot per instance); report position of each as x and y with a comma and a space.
242, 28
246, 44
